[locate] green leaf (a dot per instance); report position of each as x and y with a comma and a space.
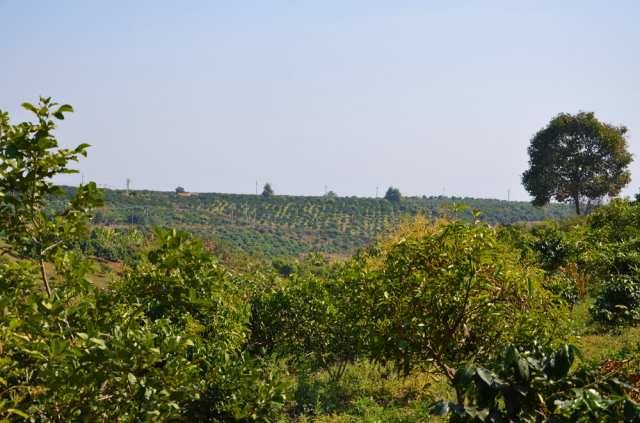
132, 379
58, 347
576, 352
511, 399
29, 107
466, 375
489, 378
561, 361
99, 342
631, 409
522, 369
57, 307
443, 408
18, 412
64, 108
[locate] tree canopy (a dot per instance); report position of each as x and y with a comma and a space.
578, 160
393, 194
267, 191
179, 190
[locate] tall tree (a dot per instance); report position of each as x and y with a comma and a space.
332, 194
267, 191
393, 194
577, 159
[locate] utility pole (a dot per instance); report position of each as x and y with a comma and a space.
128, 182
325, 189
256, 187
376, 190
443, 191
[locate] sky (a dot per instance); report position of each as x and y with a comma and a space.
424, 96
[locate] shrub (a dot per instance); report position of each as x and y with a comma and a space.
551, 250
105, 268
619, 301
447, 292
612, 240
315, 317
162, 344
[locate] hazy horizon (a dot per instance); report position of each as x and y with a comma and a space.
212, 96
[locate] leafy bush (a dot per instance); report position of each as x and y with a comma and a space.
315, 317
619, 301
162, 344
285, 268
613, 240
447, 292
552, 251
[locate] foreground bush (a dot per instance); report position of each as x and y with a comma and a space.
537, 386
164, 344
447, 292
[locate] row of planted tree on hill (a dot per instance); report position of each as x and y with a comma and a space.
183, 338
360, 216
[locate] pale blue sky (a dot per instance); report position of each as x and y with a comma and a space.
415, 94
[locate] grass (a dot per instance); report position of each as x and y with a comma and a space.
366, 393
598, 341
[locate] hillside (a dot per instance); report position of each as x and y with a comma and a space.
287, 226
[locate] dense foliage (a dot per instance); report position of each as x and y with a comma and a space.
537, 386
164, 343
448, 292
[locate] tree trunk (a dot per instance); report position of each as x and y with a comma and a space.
576, 199
460, 395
